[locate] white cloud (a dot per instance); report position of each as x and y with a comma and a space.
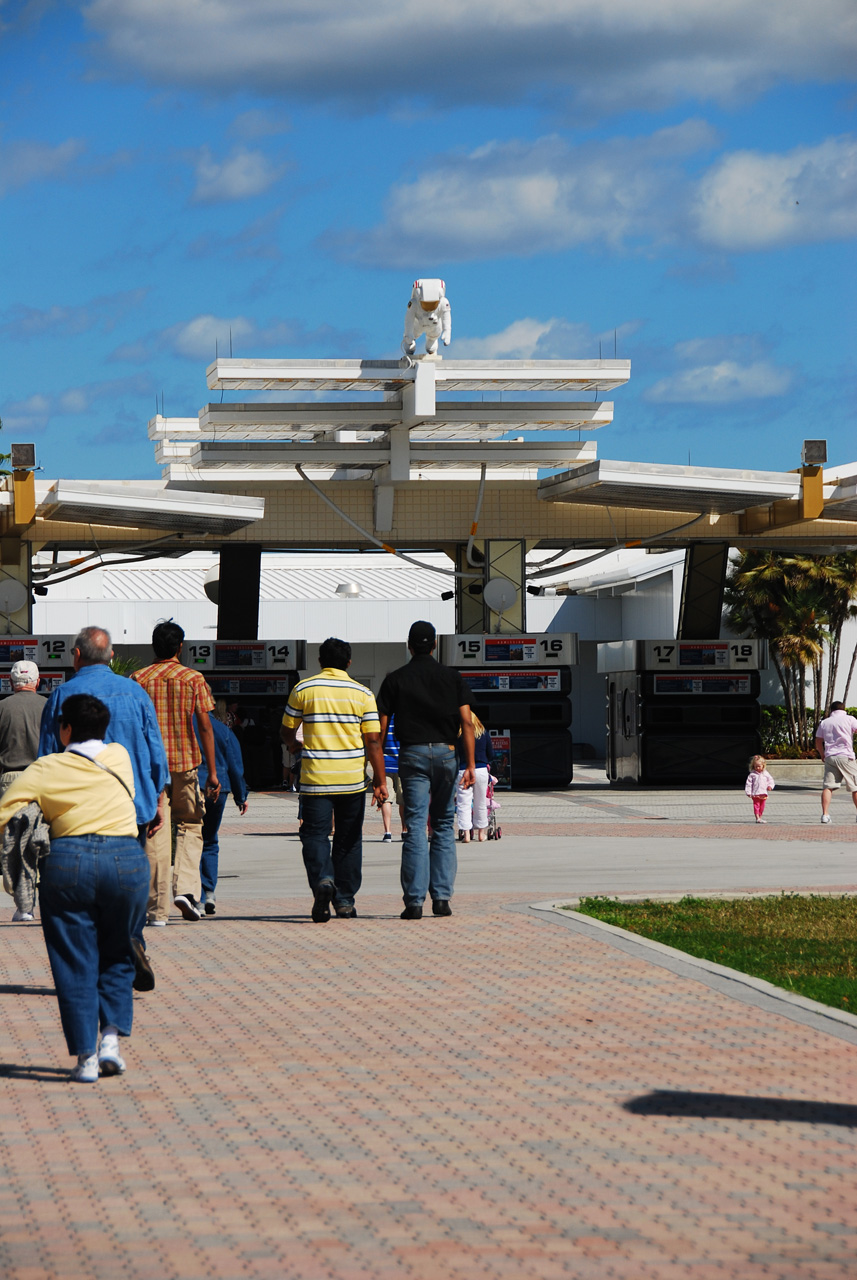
241, 175
523, 198
24, 162
21, 322
722, 383
198, 338
627, 53
34, 414
750, 200
530, 339
27, 416
251, 125
517, 341
258, 239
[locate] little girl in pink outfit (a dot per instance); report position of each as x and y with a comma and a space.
759, 783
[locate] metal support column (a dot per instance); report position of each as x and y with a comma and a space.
507, 558
469, 610
702, 589
238, 592
497, 558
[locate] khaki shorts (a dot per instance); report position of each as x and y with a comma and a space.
839, 769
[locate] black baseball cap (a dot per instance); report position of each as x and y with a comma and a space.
422, 637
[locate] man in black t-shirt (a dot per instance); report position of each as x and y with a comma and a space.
431, 704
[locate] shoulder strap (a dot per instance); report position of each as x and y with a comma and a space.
104, 768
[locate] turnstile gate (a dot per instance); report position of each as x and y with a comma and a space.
680, 711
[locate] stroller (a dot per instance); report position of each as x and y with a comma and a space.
495, 831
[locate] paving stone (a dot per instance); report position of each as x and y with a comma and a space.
438, 1100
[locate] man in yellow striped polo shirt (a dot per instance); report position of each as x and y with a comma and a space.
341, 728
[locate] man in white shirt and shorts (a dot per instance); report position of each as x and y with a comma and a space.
834, 742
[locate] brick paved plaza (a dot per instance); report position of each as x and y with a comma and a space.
500, 1094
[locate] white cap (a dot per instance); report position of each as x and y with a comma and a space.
24, 673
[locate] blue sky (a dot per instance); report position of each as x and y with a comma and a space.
683, 172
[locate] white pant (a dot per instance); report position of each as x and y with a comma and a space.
471, 805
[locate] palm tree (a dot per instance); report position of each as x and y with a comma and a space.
799, 604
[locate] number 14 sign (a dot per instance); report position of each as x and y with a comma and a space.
550, 649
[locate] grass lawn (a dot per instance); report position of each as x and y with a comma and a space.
807, 945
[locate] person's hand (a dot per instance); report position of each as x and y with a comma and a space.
158, 820
467, 779
379, 794
212, 787
242, 808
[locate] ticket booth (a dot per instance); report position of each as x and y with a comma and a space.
52, 657
682, 711
522, 683
255, 677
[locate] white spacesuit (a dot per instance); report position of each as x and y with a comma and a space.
428, 313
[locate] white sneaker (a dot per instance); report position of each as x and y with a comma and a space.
187, 906
825, 817
20, 916
86, 1071
156, 924
110, 1062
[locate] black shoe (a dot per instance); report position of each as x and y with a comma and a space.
144, 977
441, 907
321, 903
210, 907
346, 913
412, 913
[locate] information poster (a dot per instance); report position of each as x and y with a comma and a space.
501, 765
18, 648
47, 683
737, 685
239, 653
506, 649
706, 654
535, 680
247, 684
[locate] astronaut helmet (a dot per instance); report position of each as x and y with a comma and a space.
428, 293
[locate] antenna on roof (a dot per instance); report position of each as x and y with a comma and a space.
215, 348
162, 403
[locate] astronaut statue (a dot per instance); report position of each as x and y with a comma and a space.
428, 313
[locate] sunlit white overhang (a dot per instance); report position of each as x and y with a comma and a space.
132, 505
450, 419
422, 454
840, 497
390, 375
650, 486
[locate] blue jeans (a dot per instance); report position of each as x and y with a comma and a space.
344, 863
428, 774
93, 892
208, 863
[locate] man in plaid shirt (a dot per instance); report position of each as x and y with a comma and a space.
179, 694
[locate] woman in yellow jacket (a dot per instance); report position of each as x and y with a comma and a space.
94, 884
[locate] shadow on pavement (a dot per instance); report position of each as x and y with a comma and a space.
16, 989
729, 1106
16, 1071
